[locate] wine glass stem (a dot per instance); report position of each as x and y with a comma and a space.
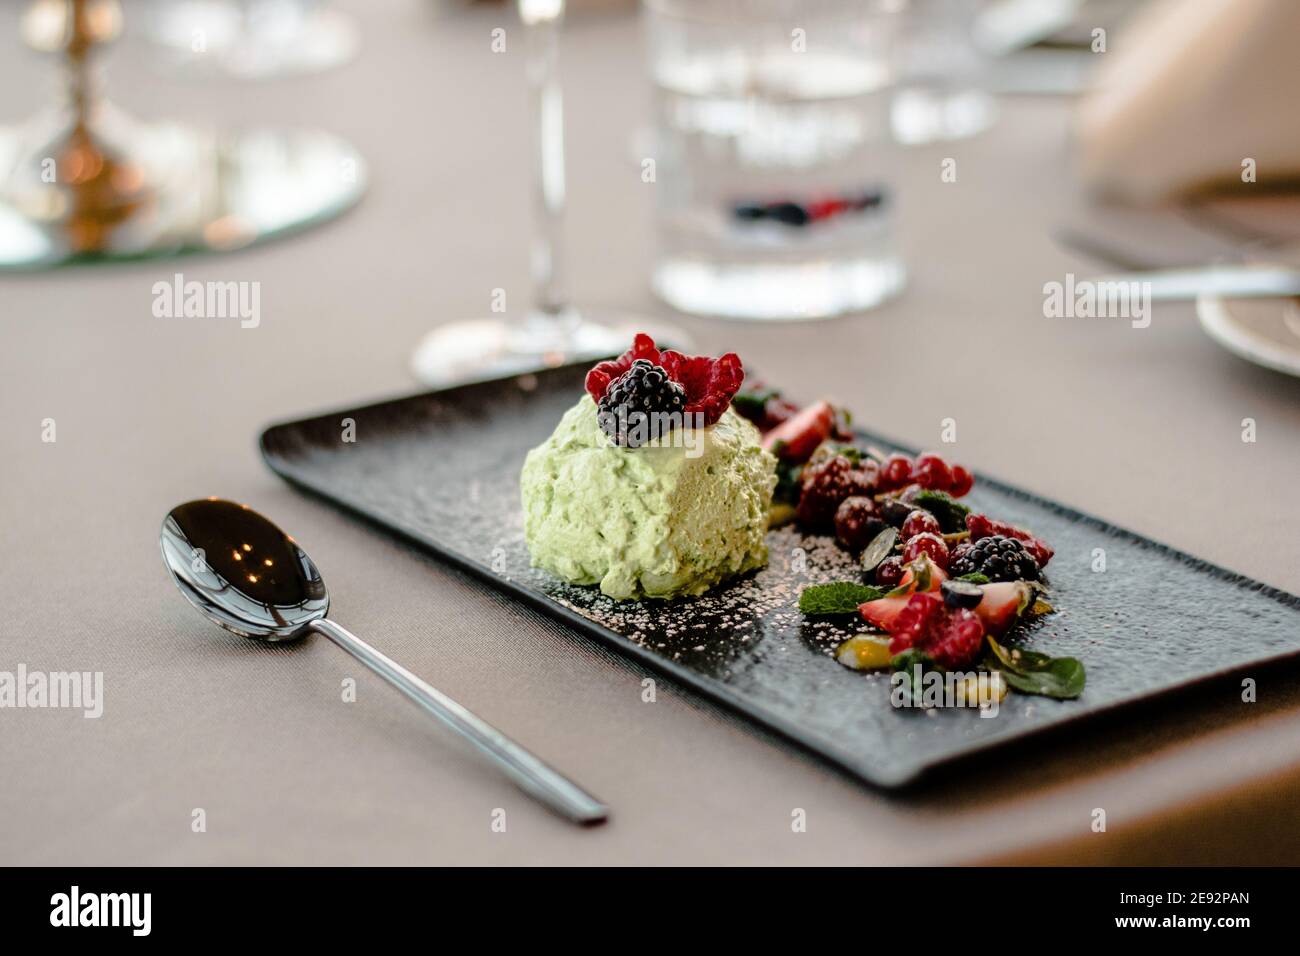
547, 113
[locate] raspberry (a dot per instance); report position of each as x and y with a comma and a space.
932, 472
627, 413
828, 482
927, 543
957, 642
913, 622
981, 526
998, 558
918, 522
709, 383
952, 637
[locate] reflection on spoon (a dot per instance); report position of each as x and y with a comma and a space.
246, 574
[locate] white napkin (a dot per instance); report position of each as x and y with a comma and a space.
1191, 91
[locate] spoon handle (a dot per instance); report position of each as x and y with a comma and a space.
528, 771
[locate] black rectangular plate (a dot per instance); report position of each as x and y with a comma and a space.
441, 469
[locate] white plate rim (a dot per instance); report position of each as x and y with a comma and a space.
1217, 321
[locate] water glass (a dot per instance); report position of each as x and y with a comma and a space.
771, 116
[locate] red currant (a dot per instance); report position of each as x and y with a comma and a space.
889, 572
927, 543
962, 481
919, 522
896, 471
932, 472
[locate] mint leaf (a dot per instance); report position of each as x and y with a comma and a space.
751, 404
947, 510
787, 481
974, 578
907, 662
840, 597
1032, 672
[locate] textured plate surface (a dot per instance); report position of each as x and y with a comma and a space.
441, 469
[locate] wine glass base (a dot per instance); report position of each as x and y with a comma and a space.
475, 350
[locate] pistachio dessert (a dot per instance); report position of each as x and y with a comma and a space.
651, 486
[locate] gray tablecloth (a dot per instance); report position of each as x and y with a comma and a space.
1142, 427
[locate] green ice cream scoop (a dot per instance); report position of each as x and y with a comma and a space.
673, 517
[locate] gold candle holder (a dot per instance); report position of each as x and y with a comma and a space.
82, 184
87, 182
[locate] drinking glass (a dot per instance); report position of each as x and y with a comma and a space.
553, 332
253, 39
940, 93
770, 119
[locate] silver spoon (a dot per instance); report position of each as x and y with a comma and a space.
250, 577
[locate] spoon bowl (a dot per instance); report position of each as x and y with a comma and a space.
251, 578
242, 571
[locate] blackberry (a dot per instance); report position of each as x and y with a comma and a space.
627, 413
998, 558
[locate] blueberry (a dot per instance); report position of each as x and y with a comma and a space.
961, 593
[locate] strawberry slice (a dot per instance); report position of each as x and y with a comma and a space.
796, 438
1002, 604
928, 568
982, 526
882, 611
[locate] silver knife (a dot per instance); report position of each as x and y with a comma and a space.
1231, 281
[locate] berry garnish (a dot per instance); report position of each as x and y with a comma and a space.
962, 481
929, 544
931, 471
828, 482
709, 383
856, 522
952, 637
1002, 604
895, 472
628, 411
981, 526
961, 593
889, 572
998, 558
920, 522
